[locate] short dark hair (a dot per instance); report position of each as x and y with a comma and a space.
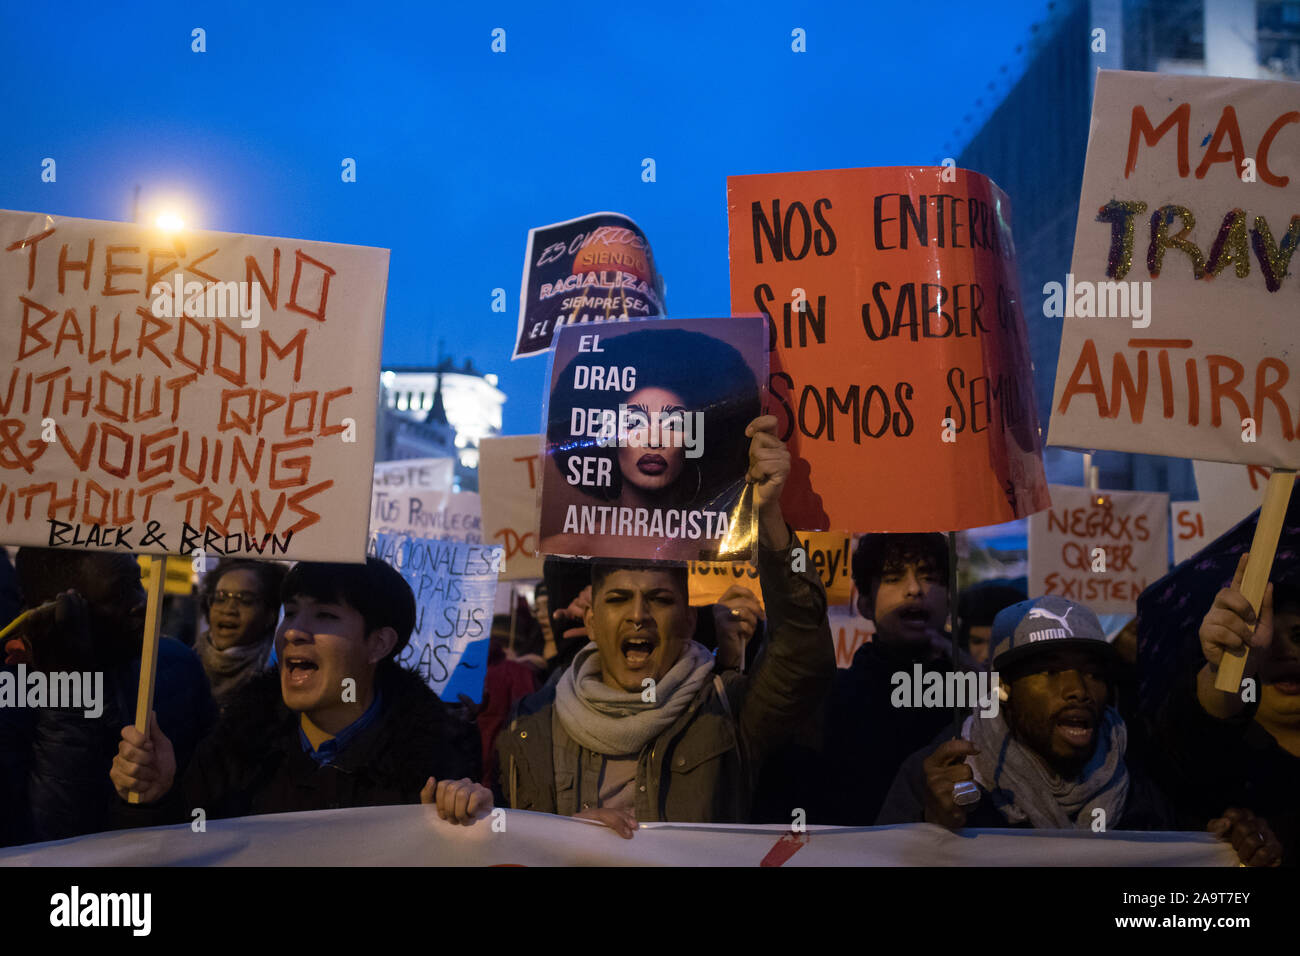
270, 577
980, 603
45, 573
875, 552
600, 570
374, 589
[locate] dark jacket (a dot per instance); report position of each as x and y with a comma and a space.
1145, 807
254, 761
703, 768
867, 738
54, 764
1208, 765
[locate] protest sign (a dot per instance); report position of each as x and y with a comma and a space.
455, 586
1179, 309
899, 352
178, 572
1100, 548
1227, 493
415, 497
184, 392
850, 631
646, 452
596, 268
827, 552
415, 836
509, 476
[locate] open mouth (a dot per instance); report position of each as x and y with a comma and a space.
916, 617
299, 670
637, 650
1076, 727
1286, 680
652, 464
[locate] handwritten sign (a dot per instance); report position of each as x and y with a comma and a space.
1227, 494
1179, 311
829, 553
596, 268
646, 453
1100, 548
850, 631
202, 391
898, 345
509, 479
415, 497
455, 586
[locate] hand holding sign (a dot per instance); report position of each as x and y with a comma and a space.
769, 467
1230, 625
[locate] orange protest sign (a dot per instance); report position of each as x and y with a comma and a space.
899, 358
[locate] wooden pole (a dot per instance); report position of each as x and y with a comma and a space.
952, 616
1277, 495
149, 653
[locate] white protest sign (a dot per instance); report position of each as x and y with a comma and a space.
170, 393
1228, 493
1179, 309
455, 587
1100, 548
415, 497
509, 472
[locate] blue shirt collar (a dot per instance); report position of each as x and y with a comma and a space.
330, 749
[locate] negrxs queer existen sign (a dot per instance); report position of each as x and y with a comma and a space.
646, 452
1190, 191
1101, 548
900, 368
164, 394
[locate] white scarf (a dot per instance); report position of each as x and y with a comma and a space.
616, 722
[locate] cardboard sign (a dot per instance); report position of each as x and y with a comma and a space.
1227, 494
509, 479
415, 497
202, 391
829, 553
455, 586
596, 268
1100, 548
899, 352
646, 453
1179, 312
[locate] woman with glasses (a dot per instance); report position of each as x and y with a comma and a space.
241, 604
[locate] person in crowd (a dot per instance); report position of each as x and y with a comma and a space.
1217, 749
337, 724
642, 726
88, 619
241, 603
506, 682
1054, 756
902, 582
977, 606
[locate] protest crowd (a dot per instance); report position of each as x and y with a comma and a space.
330, 651
251, 721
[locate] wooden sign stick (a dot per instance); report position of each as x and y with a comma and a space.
149, 653
1277, 495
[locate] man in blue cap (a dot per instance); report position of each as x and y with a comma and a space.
1054, 754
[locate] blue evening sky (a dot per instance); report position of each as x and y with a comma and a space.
459, 150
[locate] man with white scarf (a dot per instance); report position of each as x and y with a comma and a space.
643, 727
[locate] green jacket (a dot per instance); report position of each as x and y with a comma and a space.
703, 769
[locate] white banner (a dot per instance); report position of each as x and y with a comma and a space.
414, 836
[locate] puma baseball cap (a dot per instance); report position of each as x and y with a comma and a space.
1033, 626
